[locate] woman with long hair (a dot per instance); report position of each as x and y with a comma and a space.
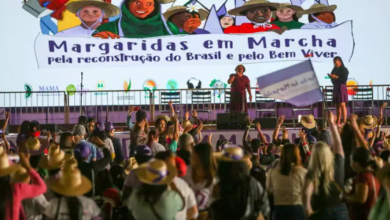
365, 188
339, 77
325, 179
201, 175
23, 134
153, 200
69, 189
138, 132
153, 138
237, 195
12, 194
285, 184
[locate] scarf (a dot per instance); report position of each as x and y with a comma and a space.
265, 25
333, 24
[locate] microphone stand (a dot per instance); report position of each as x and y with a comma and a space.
81, 95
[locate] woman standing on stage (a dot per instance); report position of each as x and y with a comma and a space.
339, 78
239, 83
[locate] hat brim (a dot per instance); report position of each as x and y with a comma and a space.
21, 178
109, 9
308, 125
220, 157
330, 8
9, 170
142, 170
238, 11
164, 117
373, 125
44, 163
203, 14
83, 188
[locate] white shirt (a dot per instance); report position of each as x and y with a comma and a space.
35, 207
156, 147
202, 193
90, 209
189, 197
77, 31
318, 25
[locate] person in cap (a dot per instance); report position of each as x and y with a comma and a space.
82, 151
153, 200
187, 18
143, 154
259, 12
286, 183
138, 19
91, 14
287, 16
100, 139
237, 195
226, 21
325, 177
110, 131
201, 175
190, 211
70, 202
320, 16
153, 138
13, 193
79, 134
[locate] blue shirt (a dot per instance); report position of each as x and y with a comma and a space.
93, 150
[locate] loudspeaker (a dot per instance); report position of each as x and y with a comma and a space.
53, 128
226, 121
266, 123
2, 122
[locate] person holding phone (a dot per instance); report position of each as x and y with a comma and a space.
239, 82
339, 77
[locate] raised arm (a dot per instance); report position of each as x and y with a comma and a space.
171, 109
276, 131
246, 133
336, 139
130, 125
189, 127
381, 120
262, 137
37, 186
176, 127
358, 135
231, 78
4, 136
306, 198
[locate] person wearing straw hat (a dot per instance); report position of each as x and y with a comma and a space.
70, 202
259, 12
12, 191
154, 200
320, 16
54, 159
237, 195
138, 19
368, 123
187, 18
309, 123
91, 14
287, 16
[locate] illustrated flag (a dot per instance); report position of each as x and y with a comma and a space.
297, 85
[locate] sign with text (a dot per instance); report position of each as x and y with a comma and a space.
321, 45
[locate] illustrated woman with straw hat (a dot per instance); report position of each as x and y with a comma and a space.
154, 200
70, 202
259, 12
287, 16
12, 190
320, 16
237, 195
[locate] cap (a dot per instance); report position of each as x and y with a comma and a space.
311, 139
99, 126
34, 124
143, 150
82, 150
109, 126
79, 130
181, 166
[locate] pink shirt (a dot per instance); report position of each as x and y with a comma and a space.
24, 191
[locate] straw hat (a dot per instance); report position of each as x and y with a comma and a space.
203, 14
233, 153
20, 176
110, 10
71, 182
129, 165
254, 4
156, 172
54, 159
35, 147
308, 121
317, 8
370, 122
164, 117
5, 167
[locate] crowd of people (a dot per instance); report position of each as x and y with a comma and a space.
328, 173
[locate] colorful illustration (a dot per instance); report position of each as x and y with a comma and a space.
100, 85
320, 16
71, 89
351, 83
226, 21
286, 17
172, 85
149, 86
127, 86
28, 89
91, 14
220, 86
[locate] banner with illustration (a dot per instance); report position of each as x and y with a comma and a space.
93, 33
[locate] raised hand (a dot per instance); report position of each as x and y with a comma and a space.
302, 136
192, 24
381, 120
281, 120
353, 119
258, 126
106, 35
330, 117
187, 115
7, 115
210, 138
248, 121
25, 161
131, 110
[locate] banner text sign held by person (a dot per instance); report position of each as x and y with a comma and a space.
298, 45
